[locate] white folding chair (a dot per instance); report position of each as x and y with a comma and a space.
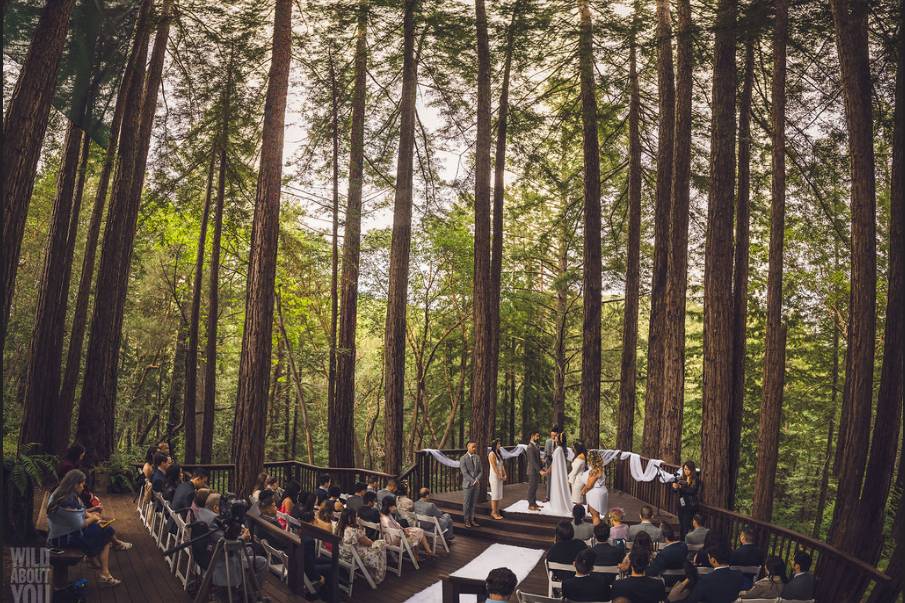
781, 600
161, 533
400, 550
184, 556
748, 570
612, 570
277, 561
292, 523
433, 530
524, 597
554, 585
171, 539
757, 600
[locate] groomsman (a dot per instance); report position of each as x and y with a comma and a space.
535, 469
472, 471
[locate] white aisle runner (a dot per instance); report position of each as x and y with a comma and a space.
520, 560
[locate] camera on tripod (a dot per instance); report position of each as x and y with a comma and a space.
232, 516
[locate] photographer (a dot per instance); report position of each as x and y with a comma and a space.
687, 485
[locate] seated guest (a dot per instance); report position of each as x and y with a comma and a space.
260, 484
607, 554
565, 548
323, 489
198, 503
586, 585
184, 496
164, 447
681, 589
372, 552
500, 584
373, 484
425, 506
316, 569
801, 586
147, 469
369, 513
159, 477
394, 532
698, 532
324, 516
210, 511
671, 557
73, 459
406, 507
273, 484
355, 500
646, 525
584, 530
723, 584
748, 553
713, 539
390, 490
771, 585
290, 497
173, 478
267, 505
618, 528
638, 588
71, 525
333, 496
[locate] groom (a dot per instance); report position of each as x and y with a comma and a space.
536, 469
472, 471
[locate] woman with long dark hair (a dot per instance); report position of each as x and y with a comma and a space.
687, 487
497, 477
770, 586
579, 466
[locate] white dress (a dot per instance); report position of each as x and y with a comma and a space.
560, 497
597, 496
579, 466
496, 482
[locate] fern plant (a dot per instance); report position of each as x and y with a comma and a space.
23, 472
29, 467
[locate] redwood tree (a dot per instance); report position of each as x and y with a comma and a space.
397, 302
23, 132
590, 359
775, 353
656, 340
717, 385
254, 363
341, 416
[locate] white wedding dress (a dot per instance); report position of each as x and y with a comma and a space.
560, 495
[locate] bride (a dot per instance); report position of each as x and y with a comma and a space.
560, 496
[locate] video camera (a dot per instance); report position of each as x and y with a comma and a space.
232, 515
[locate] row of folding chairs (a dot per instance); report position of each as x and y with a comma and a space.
524, 597
155, 513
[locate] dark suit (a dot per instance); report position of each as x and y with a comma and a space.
639, 589
722, 585
800, 587
182, 501
565, 551
747, 554
354, 502
586, 588
607, 554
315, 568
373, 515
670, 557
322, 495
534, 468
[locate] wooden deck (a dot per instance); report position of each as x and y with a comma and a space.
147, 578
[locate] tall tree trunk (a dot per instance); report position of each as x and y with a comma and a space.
254, 364
341, 422
23, 133
850, 20
297, 380
191, 352
482, 365
825, 475
591, 286
213, 300
43, 378
496, 245
656, 340
718, 264
560, 283
740, 272
677, 263
63, 415
177, 385
397, 296
334, 247
775, 346
628, 366
97, 406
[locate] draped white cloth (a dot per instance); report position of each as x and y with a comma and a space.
559, 494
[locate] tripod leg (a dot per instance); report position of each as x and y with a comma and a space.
203, 595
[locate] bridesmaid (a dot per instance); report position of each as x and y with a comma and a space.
579, 466
595, 487
497, 477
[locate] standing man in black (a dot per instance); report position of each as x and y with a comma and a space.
549, 446
536, 469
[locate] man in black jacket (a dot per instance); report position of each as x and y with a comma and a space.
722, 585
801, 586
185, 494
606, 553
586, 585
535, 469
747, 554
671, 557
638, 588
368, 512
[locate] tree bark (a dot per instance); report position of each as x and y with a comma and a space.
740, 272
213, 300
397, 295
254, 364
63, 415
628, 366
24, 126
717, 386
656, 340
191, 351
341, 422
591, 286
850, 21
334, 248
97, 406
43, 378
560, 283
677, 263
482, 365
775, 346
297, 380
177, 385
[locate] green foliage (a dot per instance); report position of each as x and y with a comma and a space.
27, 468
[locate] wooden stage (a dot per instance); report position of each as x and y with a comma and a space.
147, 578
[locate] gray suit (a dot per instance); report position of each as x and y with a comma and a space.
472, 471
534, 468
696, 536
800, 588
426, 507
655, 534
548, 452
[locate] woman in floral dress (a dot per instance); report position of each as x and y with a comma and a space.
393, 530
372, 552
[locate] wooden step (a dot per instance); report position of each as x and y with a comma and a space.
504, 536
508, 524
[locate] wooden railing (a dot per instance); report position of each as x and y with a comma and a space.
440, 478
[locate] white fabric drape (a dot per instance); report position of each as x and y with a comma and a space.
442, 458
